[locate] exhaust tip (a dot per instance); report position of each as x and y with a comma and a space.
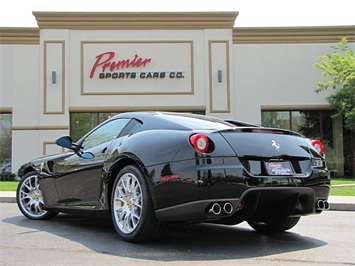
215, 209
228, 208
322, 205
221, 208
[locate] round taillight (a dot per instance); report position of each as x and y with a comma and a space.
318, 145
199, 142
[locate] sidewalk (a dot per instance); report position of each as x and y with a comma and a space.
337, 203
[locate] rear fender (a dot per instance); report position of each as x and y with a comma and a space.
113, 171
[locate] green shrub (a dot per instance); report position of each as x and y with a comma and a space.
7, 176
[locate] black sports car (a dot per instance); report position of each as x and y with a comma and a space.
151, 169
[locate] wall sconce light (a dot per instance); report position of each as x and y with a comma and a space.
54, 77
219, 76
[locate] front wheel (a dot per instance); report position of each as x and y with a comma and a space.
30, 200
276, 227
132, 209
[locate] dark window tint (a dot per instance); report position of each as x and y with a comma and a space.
198, 123
104, 133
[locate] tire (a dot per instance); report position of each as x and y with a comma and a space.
132, 209
280, 226
30, 200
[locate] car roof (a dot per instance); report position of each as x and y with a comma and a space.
176, 120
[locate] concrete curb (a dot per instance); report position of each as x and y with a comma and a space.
342, 203
337, 203
7, 196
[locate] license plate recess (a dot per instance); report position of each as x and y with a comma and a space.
279, 167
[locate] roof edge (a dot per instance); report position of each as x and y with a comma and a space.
320, 34
19, 35
135, 20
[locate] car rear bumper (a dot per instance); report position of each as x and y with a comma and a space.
267, 204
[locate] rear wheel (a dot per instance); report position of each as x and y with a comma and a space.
30, 199
132, 209
279, 226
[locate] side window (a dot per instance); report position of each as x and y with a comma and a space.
104, 133
131, 127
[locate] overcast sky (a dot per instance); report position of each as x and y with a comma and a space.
252, 13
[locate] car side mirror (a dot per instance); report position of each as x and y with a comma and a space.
65, 142
68, 143
86, 155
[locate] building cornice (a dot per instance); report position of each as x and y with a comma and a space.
135, 20
19, 36
176, 21
5, 110
325, 34
300, 107
28, 128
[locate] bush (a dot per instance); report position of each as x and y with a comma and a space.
7, 176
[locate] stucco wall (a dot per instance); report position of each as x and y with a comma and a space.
277, 77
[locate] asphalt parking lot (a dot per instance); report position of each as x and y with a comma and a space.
324, 239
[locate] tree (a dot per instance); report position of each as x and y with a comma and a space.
340, 67
317, 125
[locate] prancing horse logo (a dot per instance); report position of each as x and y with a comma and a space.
275, 145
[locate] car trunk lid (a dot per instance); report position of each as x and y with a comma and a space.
266, 143
270, 151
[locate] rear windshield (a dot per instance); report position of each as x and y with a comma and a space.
197, 122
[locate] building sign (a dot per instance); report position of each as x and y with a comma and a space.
137, 67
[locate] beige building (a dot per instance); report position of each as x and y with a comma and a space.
76, 69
